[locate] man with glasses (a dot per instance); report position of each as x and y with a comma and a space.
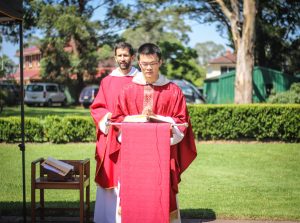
101, 111
151, 93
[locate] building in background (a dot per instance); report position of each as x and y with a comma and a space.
32, 69
220, 65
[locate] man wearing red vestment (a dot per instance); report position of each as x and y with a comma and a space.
101, 111
153, 94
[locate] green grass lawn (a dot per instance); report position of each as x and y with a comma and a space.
236, 181
44, 111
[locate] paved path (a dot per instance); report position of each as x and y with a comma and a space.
233, 221
18, 219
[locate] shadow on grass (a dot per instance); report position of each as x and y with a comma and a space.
16, 209
200, 213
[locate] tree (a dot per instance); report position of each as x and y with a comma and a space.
140, 35
69, 44
106, 52
69, 39
32, 40
278, 39
241, 17
207, 51
180, 63
292, 96
7, 66
277, 42
148, 22
167, 29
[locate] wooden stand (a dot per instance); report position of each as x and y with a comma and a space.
80, 180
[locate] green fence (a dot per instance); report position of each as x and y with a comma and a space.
220, 90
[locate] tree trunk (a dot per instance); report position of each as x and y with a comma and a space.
243, 78
79, 87
245, 56
79, 75
242, 29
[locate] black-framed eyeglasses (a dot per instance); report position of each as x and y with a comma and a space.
151, 64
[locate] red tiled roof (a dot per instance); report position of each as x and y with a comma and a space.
227, 58
105, 66
29, 51
33, 50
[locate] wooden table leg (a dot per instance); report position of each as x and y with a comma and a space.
32, 204
81, 201
42, 203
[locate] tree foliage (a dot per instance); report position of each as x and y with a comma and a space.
180, 63
69, 38
151, 22
69, 44
278, 35
238, 16
66, 27
7, 66
152, 19
64, 22
277, 42
292, 96
207, 51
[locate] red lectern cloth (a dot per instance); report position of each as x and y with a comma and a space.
145, 173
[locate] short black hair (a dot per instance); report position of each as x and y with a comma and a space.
149, 48
124, 45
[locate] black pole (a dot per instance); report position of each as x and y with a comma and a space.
22, 145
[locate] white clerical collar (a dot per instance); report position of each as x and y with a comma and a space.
117, 73
140, 79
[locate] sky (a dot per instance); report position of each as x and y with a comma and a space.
200, 33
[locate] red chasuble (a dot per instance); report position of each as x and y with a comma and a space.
105, 102
145, 172
168, 100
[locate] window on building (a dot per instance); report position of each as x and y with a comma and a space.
226, 69
38, 58
30, 61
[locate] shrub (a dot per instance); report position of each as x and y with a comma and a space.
54, 129
10, 130
256, 121
290, 96
69, 129
228, 122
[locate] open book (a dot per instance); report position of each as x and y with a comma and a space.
148, 118
57, 166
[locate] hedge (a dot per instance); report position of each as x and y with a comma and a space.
50, 129
69, 129
255, 121
226, 122
10, 129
